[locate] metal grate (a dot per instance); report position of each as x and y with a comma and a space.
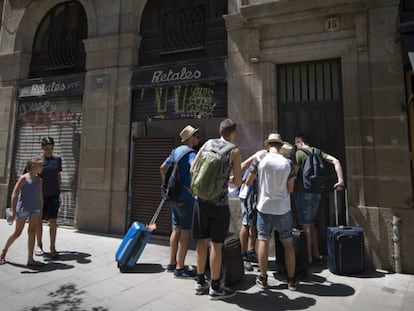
183, 29
309, 82
63, 49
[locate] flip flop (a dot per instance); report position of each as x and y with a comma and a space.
35, 264
39, 252
54, 255
2, 260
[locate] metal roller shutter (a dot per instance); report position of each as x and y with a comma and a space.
146, 182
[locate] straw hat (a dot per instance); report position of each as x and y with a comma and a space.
286, 150
273, 138
187, 132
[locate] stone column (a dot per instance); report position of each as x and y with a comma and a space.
12, 67
104, 158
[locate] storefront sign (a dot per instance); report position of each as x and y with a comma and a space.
52, 87
175, 74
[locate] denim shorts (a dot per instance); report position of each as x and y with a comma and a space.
27, 214
267, 223
307, 205
182, 214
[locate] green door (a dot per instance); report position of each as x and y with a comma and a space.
309, 101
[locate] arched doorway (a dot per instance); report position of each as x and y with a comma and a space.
50, 101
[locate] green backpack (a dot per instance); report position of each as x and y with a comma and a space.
208, 181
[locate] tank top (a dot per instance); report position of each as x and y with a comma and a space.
29, 196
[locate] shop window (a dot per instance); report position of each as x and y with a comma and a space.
58, 47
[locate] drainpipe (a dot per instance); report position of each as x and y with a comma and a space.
396, 239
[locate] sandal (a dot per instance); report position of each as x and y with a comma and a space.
35, 264
2, 260
54, 255
39, 252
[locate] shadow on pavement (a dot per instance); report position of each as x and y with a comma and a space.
48, 267
79, 257
143, 268
270, 300
320, 286
66, 297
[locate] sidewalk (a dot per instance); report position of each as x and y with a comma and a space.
86, 277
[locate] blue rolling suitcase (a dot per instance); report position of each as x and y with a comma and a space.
134, 242
346, 254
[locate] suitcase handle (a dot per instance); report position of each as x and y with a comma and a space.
157, 212
346, 206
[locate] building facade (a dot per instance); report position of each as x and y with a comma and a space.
114, 82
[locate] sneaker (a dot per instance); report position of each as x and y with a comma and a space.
247, 265
170, 267
184, 274
222, 293
292, 284
201, 289
252, 256
261, 281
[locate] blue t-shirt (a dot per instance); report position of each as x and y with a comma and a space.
184, 167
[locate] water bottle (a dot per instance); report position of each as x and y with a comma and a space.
8, 214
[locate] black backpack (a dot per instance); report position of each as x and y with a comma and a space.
173, 182
314, 173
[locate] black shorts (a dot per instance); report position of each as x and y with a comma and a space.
210, 221
51, 207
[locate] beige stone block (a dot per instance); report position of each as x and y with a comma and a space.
119, 202
391, 133
386, 75
394, 193
352, 127
370, 190
93, 215
94, 137
388, 101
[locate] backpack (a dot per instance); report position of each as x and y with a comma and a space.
314, 173
207, 181
173, 182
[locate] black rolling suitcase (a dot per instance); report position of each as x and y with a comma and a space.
345, 244
134, 242
301, 254
232, 260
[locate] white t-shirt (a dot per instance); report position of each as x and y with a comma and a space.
273, 171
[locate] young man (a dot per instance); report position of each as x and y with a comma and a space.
182, 208
212, 219
276, 182
52, 168
248, 231
307, 203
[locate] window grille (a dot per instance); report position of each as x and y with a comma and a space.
58, 47
183, 29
